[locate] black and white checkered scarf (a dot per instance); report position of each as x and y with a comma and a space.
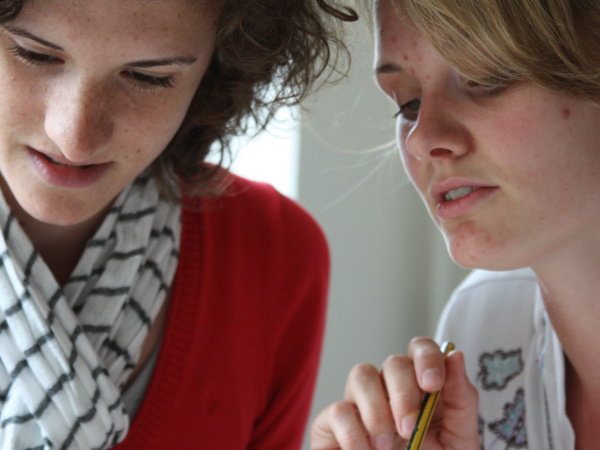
65, 353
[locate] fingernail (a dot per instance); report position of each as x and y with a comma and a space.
384, 442
408, 423
431, 378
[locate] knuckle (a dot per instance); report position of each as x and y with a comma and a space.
395, 363
420, 340
343, 414
421, 346
362, 373
340, 410
405, 398
379, 415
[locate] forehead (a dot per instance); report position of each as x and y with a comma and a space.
391, 19
395, 34
121, 20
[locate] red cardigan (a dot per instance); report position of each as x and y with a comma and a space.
239, 356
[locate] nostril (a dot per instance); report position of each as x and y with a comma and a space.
440, 152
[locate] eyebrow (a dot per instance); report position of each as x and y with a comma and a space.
175, 61
388, 68
26, 34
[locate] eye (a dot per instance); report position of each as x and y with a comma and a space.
149, 82
489, 86
30, 57
410, 109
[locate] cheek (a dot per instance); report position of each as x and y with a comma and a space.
20, 98
412, 165
151, 128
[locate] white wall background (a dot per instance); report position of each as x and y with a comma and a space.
390, 271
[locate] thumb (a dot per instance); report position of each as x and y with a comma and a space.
460, 402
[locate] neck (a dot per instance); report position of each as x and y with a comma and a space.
570, 284
570, 291
60, 246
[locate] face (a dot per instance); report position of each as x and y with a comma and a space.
92, 92
509, 175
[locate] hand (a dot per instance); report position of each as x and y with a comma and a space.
379, 410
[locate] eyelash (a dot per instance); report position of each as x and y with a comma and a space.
32, 57
140, 80
492, 87
406, 105
148, 82
488, 89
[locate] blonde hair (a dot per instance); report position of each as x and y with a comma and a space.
550, 43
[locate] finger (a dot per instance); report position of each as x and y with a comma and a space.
460, 403
430, 367
405, 396
365, 388
339, 426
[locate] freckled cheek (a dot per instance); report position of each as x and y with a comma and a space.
21, 106
154, 126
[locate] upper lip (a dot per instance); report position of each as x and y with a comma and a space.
438, 189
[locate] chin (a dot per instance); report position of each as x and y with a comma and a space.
471, 254
64, 213
64, 218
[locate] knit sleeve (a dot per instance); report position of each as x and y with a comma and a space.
299, 311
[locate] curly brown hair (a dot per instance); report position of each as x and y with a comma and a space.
260, 44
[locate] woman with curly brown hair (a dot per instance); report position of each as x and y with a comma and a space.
149, 299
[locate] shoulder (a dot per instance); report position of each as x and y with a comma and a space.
259, 207
485, 290
252, 225
490, 280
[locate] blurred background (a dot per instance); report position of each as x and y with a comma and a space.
391, 274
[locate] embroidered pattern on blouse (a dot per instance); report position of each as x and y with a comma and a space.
498, 368
511, 428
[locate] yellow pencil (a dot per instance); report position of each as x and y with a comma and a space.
427, 408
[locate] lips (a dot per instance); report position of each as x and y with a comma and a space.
455, 188
457, 196
57, 171
457, 193
58, 163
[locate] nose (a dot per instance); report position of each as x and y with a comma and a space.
78, 120
438, 132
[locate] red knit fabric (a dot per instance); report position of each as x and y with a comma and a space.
238, 360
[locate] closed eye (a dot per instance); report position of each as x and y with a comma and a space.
149, 82
29, 57
490, 86
410, 109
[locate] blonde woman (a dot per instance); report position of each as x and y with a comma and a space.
499, 131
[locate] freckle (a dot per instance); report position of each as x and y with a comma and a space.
405, 56
566, 113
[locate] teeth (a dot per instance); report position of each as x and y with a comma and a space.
458, 193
